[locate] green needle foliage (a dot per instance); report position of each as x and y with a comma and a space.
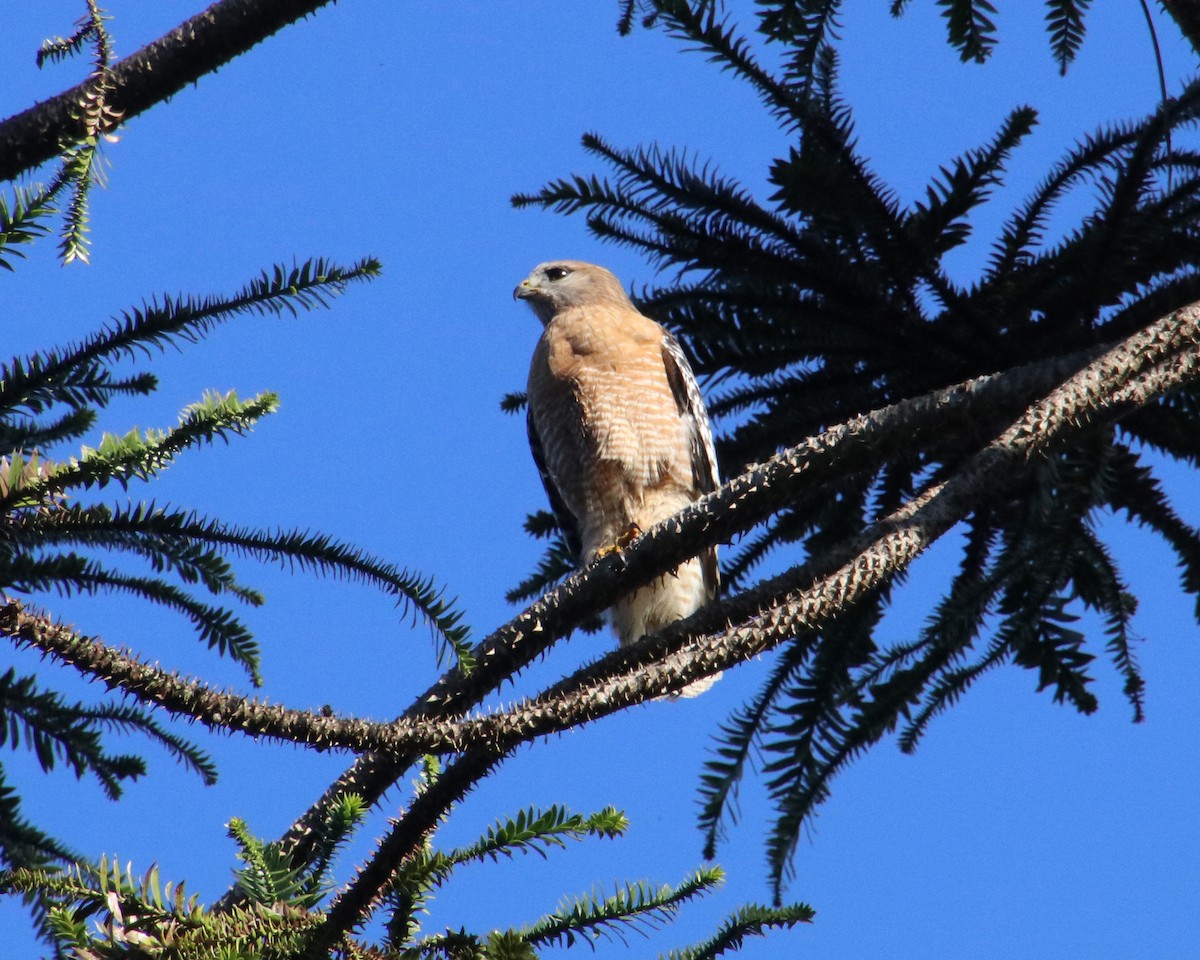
22, 221
270, 878
57, 537
81, 164
105, 912
102, 912
632, 907
752, 920
831, 298
828, 299
531, 831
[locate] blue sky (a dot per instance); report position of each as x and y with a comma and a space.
400, 130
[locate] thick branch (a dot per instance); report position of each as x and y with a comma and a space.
156, 72
963, 412
958, 412
1145, 366
216, 710
975, 408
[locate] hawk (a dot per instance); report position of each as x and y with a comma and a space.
619, 433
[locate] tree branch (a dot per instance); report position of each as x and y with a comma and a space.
354, 903
1145, 366
684, 652
976, 408
156, 72
225, 712
1138, 370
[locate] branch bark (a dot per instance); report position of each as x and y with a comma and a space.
862, 443
966, 414
159, 70
1141, 368
1145, 366
354, 903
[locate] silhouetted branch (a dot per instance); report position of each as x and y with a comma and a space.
974, 409
1137, 371
636, 673
402, 841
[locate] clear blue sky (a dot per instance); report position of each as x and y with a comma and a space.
400, 130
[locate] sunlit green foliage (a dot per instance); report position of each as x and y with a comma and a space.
106, 912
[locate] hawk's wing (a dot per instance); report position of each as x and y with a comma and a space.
703, 455
567, 524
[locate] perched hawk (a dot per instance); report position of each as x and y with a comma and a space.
619, 433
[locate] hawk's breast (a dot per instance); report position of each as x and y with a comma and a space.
611, 431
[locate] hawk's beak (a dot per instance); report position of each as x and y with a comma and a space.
523, 291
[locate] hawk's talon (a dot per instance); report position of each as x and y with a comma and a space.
632, 532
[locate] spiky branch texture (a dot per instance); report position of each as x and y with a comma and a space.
739, 505
1016, 406
803, 602
57, 536
833, 298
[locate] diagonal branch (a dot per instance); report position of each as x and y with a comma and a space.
966, 414
975, 408
1142, 368
405, 838
1145, 366
968, 409
158, 71
217, 710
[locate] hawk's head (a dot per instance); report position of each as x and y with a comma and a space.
559, 284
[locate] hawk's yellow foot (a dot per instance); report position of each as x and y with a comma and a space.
632, 532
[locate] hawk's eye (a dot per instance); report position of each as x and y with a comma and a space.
556, 273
